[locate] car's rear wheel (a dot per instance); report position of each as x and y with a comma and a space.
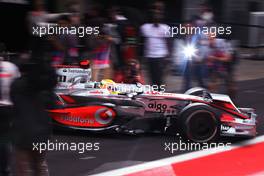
199, 124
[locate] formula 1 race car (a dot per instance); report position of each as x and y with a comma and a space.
197, 115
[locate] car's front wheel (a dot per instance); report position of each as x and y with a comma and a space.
199, 124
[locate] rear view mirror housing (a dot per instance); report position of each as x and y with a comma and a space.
85, 64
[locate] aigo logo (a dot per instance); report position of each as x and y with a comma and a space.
160, 107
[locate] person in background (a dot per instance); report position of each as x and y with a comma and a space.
32, 94
206, 14
133, 73
219, 56
116, 29
37, 16
230, 68
101, 66
99, 46
60, 43
186, 61
65, 46
8, 72
31, 122
201, 45
156, 44
73, 53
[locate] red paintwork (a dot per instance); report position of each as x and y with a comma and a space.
66, 66
84, 63
225, 105
238, 114
68, 99
225, 117
84, 116
241, 161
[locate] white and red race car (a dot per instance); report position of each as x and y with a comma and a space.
197, 115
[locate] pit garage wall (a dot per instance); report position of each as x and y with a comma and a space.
240, 13
245, 14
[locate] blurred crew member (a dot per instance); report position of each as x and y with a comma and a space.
133, 73
206, 14
8, 72
101, 61
156, 46
65, 45
99, 46
218, 57
194, 54
32, 95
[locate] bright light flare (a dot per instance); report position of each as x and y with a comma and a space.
189, 51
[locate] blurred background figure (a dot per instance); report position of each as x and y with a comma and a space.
65, 46
194, 56
37, 16
218, 60
99, 46
230, 69
156, 44
187, 54
206, 14
114, 27
125, 54
133, 73
8, 72
32, 95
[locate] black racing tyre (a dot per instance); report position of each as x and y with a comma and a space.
200, 124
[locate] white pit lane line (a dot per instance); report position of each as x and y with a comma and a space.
179, 158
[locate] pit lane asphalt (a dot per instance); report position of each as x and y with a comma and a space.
118, 151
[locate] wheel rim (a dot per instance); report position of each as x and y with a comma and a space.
201, 126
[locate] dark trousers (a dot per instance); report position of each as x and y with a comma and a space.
30, 163
5, 115
156, 70
4, 161
199, 71
196, 70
